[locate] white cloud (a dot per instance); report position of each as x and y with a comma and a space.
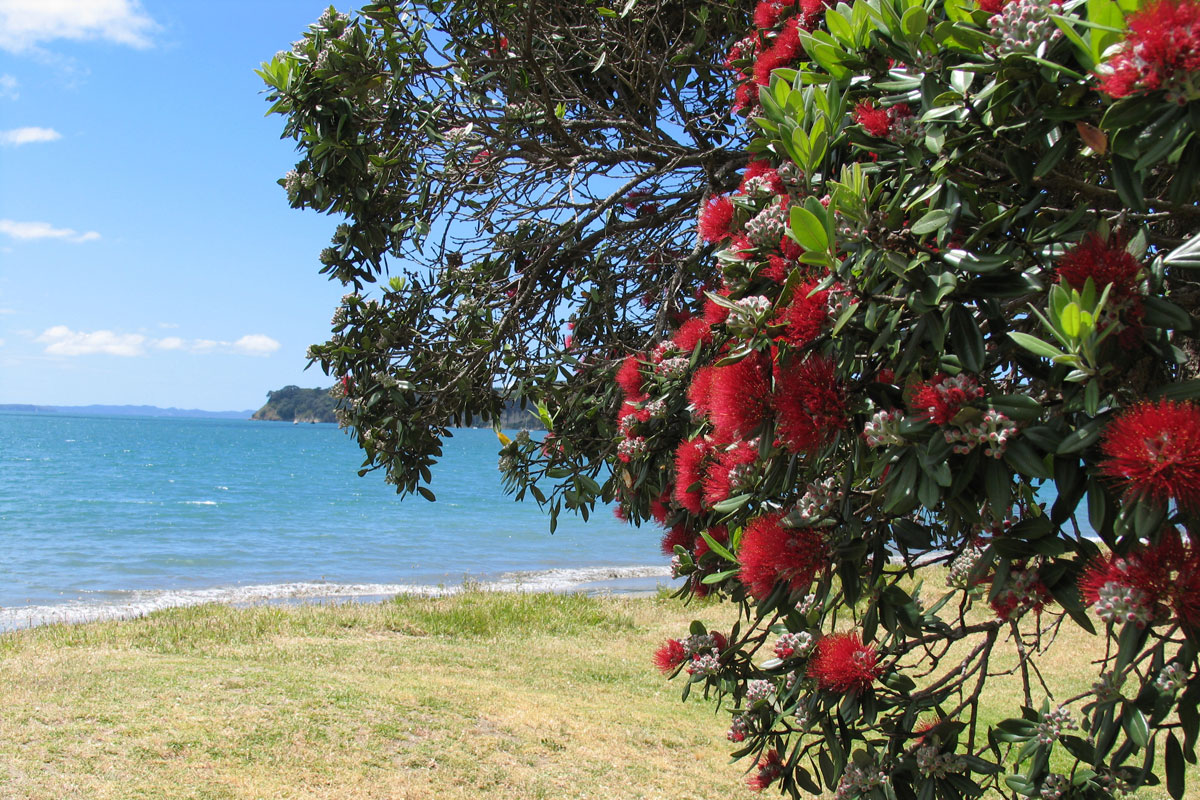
7, 311
8, 87
62, 341
19, 136
25, 24
1, 343
44, 230
256, 344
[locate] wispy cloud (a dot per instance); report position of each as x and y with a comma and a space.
4, 311
19, 136
26, 24
43, 230
62, 341
8, 87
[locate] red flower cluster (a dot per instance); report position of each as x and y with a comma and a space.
1103, 260
629, 378
690, 464
728, 472
716, 219
879, 121
739, 396
769, 769
771, 553
842, 663
1147, 585
805, 317
691, 333
670, 655
940, 398
810, 404
1152, 451
1162, 51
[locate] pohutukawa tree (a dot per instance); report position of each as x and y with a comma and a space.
931, 304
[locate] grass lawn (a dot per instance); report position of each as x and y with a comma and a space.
474, 696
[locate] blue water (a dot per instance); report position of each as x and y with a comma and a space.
102, 513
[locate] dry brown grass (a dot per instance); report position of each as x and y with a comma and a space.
536, 697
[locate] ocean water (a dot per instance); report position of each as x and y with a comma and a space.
115, 516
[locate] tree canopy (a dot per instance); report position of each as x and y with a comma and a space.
946, 317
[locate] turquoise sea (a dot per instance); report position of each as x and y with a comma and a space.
113, 516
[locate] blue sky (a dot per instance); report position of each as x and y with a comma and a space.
146, 253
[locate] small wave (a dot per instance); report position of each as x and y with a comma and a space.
223, 488
198, 502
136, 603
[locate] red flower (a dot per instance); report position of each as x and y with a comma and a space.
805, 316
767, 13
729, 472
784, 50
629, 378
659, 508
670, 655
810, 404
940, 398
681, 535
690, 467
716, 219
715, 313
745, 97
1105, 261
875, 121
879, 121
768, 770
770, 553
842, 663
700, 389
1162, 51
691, 333
739, 396
1153, 451
992, 6
762, 169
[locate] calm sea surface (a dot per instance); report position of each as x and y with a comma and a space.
104, 516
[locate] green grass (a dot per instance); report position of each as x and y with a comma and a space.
478, 695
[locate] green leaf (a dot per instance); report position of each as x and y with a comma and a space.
1021, 456
1134, 723
1035, 345
1164, 314
932, 221
718, 548
807, 230
731, 505
1081, 438
967, 338
1175, 767
914, 22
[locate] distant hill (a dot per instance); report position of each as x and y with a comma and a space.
293, 404
123, 411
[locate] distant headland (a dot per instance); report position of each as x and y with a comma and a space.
293, 404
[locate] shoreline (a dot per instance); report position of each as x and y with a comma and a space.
130, 604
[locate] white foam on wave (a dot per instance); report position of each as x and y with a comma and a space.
136, 603
199, 502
